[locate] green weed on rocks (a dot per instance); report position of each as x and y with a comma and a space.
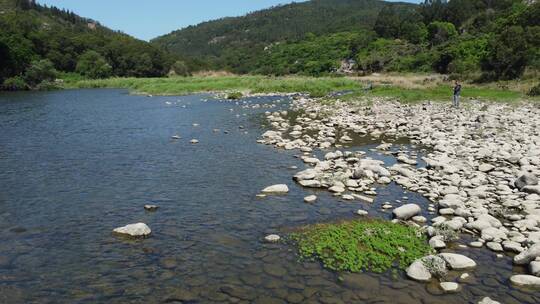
354, 246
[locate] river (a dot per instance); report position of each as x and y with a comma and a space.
76, 164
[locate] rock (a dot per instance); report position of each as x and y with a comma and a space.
531, 189
337, 189
134, 230
512, 246
423, 268
418, 271
405, 212
534, 268
457, 261
437, 242
488, 300
527, 179
362, 212
497, 247
528, 255
476, 244
151, 207
486, 168
449, 286
310, 183
493, 234
276, 189
525, 280
310, 199
272, 238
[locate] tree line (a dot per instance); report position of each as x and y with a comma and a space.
40, 43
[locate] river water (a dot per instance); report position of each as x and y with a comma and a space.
76, 164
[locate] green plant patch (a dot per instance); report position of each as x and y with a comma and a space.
372, 245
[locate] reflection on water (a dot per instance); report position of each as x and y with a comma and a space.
76, 164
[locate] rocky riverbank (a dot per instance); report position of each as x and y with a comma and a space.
480, 171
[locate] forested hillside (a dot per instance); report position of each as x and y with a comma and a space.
37, 42
480, 39
238, 43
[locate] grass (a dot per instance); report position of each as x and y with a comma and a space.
439, 93
354, 246
316, 87
417, 89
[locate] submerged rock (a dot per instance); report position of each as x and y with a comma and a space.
449, 286
525, 280
276, 189
151, 207
272, 238
134, 230
310, 199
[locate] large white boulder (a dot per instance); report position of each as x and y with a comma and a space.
528, 255
418, 271
525, 280
134, 230
457, 261
405, 212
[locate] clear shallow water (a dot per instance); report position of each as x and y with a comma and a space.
76, 164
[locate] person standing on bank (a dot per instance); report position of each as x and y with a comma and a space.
457, 93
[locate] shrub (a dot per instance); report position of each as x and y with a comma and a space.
534, 91
16, 83
179, 68
41, 70
235, 95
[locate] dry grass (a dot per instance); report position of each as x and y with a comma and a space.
213, 74
405, 81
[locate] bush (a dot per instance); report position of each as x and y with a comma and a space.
92, 65
235, 95
179, 68
16, 83
535, 91
39, 71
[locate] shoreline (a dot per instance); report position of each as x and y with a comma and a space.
481, 173
406, 88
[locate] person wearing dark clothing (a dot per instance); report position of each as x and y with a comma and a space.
457, 93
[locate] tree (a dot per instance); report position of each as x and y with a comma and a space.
40, 71
507, 56
179, 68
91, 64
439, 32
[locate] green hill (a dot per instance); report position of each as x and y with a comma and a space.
234, 42
34, 36
490, 39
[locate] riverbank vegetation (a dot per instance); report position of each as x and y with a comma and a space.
354, 246
406, 88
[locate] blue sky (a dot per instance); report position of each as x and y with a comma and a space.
149, 19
